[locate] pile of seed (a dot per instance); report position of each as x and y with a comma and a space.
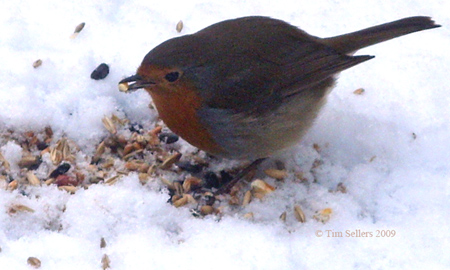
129, 148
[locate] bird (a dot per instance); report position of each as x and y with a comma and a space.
251, 87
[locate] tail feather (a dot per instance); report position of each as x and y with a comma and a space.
352, 42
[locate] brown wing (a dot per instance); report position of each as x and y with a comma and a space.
262, 63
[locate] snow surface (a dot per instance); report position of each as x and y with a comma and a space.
394, 182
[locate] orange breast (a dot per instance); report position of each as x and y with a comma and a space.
179, 113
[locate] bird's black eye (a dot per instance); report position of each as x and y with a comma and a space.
172, 76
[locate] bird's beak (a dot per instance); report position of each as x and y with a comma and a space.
137, 82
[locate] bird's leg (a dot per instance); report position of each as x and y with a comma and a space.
226, 188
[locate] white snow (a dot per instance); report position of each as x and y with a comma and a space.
394, 182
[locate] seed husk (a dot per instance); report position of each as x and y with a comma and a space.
191, 183
181, 201
66, 180
13, 185
323, 215
20, 208
99, 152
56, 156
170, 185
78, 30
37, 63
249, 216
132, 154
128, 149
34, 262
49, 181
259, 186
102, 243
32, 179
111, 181
359, 91
247, 198
123, 87
106, 262
48, 132
283, 216
277, 174
341, 188
317, 147
234, 200
299, 215
179, 190
170, 161
29, 161
4, 162
70, 189
156, 130
179, 26
109, 125
206, 210
143, 178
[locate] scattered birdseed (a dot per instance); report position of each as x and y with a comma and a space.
179, 26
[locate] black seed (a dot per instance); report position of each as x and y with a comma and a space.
211, 180
100, 72
187, 166
168, 137
135, 127
62, 169
41, 146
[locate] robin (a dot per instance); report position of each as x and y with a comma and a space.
250, 87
